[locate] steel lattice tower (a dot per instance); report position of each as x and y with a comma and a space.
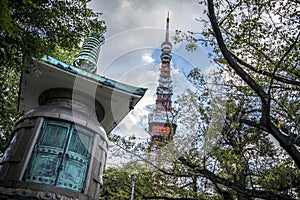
162, 125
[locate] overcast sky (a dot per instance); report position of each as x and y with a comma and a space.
135, 31
130, 54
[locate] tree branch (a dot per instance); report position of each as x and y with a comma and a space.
265, 118
231, 61
279, 63
237, 187
167, 198
263, 72
253, 124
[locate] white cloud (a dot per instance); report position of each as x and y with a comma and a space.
121, 15
147, 58
175, 71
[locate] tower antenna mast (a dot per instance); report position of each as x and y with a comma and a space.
167, 28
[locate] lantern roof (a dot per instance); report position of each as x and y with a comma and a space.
49, 73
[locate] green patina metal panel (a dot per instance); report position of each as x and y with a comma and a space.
61, 156
76, 160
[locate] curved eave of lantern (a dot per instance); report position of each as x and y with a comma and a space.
51, 73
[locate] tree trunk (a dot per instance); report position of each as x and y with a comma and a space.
286, 144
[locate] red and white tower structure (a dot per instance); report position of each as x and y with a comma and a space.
162, 124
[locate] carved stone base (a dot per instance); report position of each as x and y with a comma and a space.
21, 193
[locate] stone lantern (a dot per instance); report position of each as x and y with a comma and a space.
59, 146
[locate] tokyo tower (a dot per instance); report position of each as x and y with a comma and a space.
162, 124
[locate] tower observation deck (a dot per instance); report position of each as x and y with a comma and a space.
162, 124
